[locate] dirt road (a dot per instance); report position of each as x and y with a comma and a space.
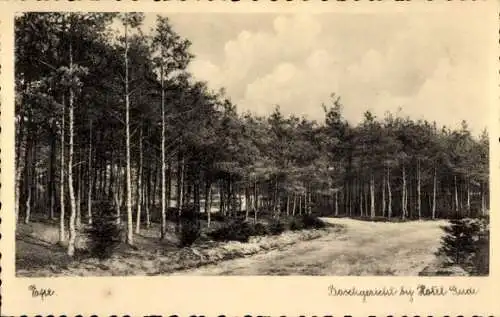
366, 248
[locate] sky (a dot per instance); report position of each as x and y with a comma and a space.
433, 67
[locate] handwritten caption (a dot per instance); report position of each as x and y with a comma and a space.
42, 293
420, 290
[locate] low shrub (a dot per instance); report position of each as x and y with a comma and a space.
276, 227
311, 222
466, 243
104, 234
190, 231
236, 230
481, 257
260, 229
296, 224
189, 226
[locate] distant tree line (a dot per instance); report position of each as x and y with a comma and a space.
102, 116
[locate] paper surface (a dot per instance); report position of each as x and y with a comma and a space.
268, 295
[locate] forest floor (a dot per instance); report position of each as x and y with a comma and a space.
39, 254
346, 247
363, 248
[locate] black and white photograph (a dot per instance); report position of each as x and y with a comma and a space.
251, 144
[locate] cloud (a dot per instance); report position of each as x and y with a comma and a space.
296, 89
433, 69
252, 55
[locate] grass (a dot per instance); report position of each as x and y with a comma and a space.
345, 247
38, 252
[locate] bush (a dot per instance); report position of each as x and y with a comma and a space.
296, 224
481, 257
189, 226
311, 222
104, 234
276, 227
466, 243
260, 229
236, 230
217, 216
190, 231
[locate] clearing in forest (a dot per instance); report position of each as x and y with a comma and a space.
365, 248
360, 248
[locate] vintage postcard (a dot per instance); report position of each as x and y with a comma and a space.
249, 158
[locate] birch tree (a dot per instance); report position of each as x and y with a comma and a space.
172, 58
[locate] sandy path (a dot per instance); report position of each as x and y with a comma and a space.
366, 248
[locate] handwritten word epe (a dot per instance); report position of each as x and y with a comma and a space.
42, 292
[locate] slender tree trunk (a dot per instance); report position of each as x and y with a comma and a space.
72, 229
468, 195
300, 204
275, 203
109, 193
389, 194
350, 199
419, 194
169, 183
366, 191
288, 205
383, 196
247, 201
483, 199
100, 181
404, 199
409, 196
254, 198
336, 203
309, 202
221, 198
151, 196
27, 218
130, 237
181, 200
306, 203
34, 179
163, 165
155, 185
62, 231
372, 196
229, 203
256, 202
105, 186
456, 194
145, 203
208, 196
147, 189
29, 180
434, 191
118, 204
78, 220
18, 181
294, 204
460, 195
196, 194
361, 200
19, 166
51, 196
139, 187
89, 189
118, 193
83, 183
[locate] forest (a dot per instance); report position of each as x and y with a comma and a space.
107, 111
